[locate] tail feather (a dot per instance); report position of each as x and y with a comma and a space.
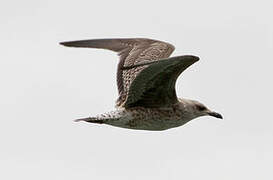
105, 118
90, 120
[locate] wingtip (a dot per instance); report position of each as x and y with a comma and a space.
196, 58
190, 58
79, 43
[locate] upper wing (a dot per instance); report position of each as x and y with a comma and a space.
154, 86
131, 52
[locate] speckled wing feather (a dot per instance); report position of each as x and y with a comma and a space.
154, 86
131, 52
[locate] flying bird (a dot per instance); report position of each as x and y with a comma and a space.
146, 78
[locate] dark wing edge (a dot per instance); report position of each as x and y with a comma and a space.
124, 47
116, 45
155, 85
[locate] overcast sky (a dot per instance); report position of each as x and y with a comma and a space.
45, 86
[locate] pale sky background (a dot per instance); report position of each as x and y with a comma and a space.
45, 86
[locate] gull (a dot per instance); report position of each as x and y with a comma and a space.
146, 79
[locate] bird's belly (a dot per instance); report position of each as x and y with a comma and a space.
154, 124
149, 119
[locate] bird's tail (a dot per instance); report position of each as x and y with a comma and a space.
91, 120
105, 118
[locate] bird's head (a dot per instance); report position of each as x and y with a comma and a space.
196, 109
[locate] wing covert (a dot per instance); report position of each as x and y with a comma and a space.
155, 85
131, 51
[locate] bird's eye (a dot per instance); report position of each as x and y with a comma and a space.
201, 108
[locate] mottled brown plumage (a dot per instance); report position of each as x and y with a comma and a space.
131, 52
146, 80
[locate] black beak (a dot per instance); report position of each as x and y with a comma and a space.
215, 114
